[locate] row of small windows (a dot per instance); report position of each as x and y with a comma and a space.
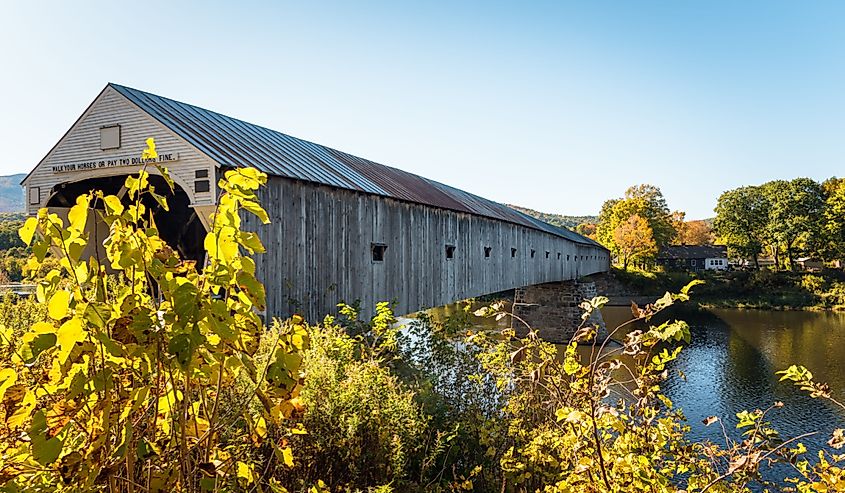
379, 249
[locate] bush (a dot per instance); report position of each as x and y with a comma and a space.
363, 425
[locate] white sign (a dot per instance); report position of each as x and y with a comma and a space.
113, 162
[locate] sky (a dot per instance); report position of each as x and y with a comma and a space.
557, 106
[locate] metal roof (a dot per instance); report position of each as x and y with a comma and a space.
681, 252
236, 143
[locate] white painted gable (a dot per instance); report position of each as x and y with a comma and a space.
78, 155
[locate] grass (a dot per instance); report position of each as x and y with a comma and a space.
746, 289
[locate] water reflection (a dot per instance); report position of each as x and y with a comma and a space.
731, 361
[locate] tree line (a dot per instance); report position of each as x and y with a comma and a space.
784, 219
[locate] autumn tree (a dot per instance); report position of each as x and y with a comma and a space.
634, 240
645, 201
697, 233
586, 229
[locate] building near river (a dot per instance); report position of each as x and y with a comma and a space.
343, 228
693, 257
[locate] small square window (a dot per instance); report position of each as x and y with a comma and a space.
450, 252
378, 251
201, 173
202, 186
513, 252
487, 251
34, 195
110, 137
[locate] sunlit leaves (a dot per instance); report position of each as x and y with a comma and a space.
129, 364
68, 335
59, 305
28, 230
150, 151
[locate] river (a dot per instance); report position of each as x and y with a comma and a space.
731, 361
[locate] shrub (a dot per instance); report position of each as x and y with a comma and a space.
363, 425
122, 390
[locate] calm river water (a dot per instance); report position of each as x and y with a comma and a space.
731, 362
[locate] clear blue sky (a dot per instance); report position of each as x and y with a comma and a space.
552, 105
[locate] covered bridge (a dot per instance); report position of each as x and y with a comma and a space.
343, 228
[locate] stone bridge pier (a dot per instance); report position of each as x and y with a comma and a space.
553, 309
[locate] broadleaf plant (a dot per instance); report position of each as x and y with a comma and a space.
144, 376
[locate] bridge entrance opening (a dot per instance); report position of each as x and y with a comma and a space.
180, 227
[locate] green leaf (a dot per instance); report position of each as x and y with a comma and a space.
251, 242
45, 450
253, 289
162, 201
185, 301
182, 348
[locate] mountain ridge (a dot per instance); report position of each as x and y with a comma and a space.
11, 193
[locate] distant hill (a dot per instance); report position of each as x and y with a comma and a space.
11, 193
558, 220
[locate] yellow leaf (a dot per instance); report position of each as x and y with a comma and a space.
68, 335
113, 205
169, 401
28, 230
59, 305
78, 215
8, 377
245, 472
23, 411
287, 454
6, 334
150, 151
196, 427
261, 427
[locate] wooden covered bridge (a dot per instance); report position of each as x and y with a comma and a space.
343, 228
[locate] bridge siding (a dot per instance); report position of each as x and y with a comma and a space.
319, 252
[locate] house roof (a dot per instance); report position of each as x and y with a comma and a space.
683, 252
235, 143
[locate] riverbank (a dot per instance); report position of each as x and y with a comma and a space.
740, 289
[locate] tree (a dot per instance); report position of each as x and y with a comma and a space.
680, 225
696, 233
586, 229
741, 220
795, 212
833, 230
646, 201
635, 240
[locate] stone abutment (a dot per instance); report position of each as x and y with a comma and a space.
554, 309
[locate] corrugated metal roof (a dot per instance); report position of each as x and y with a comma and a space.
236, 143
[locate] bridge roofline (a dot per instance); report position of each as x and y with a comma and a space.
231, 142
